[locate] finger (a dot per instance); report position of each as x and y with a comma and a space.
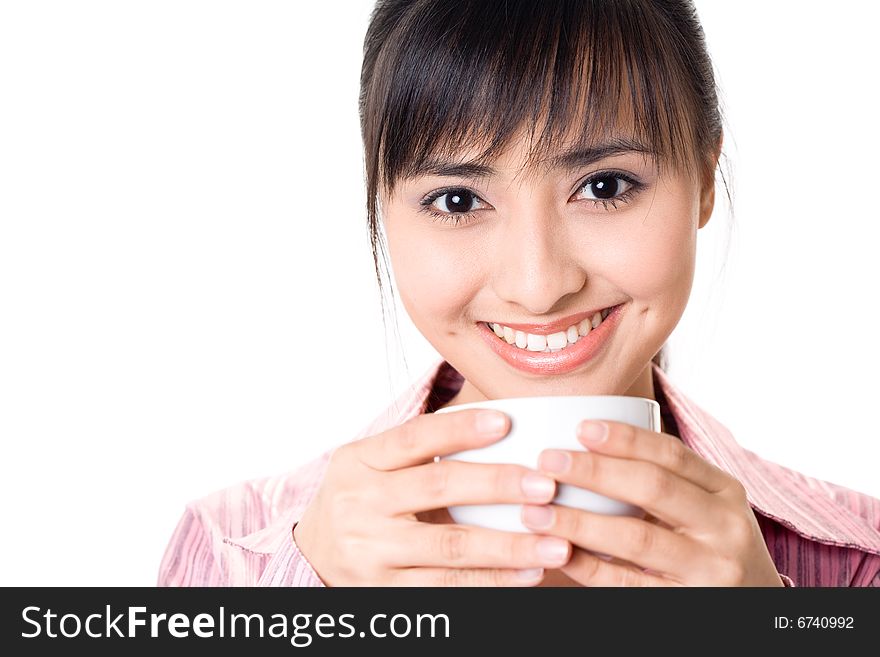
447, 483
464, 546
632, 539
664, 494
425, 436
467, 577
590, 570
629, 441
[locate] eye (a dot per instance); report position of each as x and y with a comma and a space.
451, 204
453, 201
610, 187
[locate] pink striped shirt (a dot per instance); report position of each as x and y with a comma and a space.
818, 533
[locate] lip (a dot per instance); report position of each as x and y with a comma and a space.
553, 327
560, 362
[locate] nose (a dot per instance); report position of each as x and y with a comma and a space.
535, 264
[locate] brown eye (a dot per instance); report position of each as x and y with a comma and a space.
609, 188
455, 204
456, 201
606, 186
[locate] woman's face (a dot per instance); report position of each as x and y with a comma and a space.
537, 247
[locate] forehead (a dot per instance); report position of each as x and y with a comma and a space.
551, 140
469, 163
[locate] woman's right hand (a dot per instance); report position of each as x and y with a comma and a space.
361, 529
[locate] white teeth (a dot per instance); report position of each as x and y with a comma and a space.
553, 342
557, 340
536, 342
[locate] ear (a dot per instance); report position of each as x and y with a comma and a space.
707, 191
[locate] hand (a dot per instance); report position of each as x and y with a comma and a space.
699, 531
362, 528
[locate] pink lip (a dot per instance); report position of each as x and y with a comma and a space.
559, 362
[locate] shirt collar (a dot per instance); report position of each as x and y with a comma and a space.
785, 496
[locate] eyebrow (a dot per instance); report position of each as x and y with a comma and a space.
567, 160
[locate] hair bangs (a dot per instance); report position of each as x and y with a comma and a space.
576, 75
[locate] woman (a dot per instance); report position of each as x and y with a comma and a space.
540, 171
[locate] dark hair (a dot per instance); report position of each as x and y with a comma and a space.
442, 75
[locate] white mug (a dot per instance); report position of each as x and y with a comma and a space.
539, 423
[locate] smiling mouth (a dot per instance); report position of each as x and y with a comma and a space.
552, 342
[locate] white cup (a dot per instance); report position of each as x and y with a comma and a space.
539, 423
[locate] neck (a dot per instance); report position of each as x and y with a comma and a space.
643, 386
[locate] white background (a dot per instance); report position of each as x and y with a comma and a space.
187, 297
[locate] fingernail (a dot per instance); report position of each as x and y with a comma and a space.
537, 487
554, 461
491, 423
554, 551
529, 574
539, 517
593, 432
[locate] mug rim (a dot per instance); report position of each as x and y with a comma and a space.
630, 399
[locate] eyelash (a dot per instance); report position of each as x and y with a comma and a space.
466, 217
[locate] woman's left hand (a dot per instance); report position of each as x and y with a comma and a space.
700, 530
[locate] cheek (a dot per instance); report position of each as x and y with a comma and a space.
656, 259
434, 283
